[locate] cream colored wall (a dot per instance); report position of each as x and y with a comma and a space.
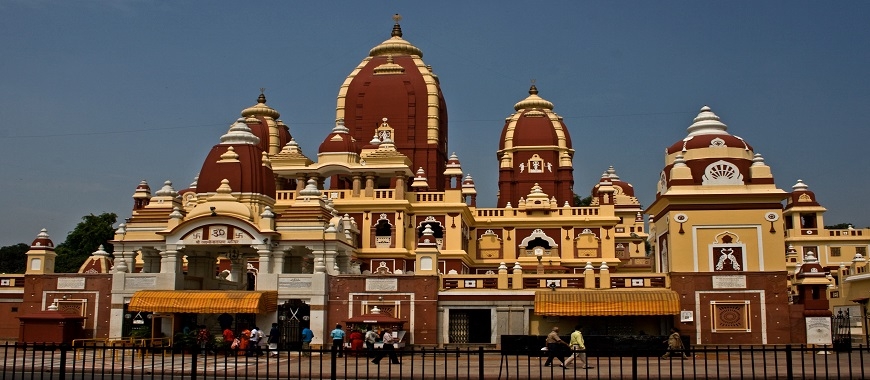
691, 251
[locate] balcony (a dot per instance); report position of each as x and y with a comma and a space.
534, 281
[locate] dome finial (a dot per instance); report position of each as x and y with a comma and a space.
262, 98
397, 29
533, 90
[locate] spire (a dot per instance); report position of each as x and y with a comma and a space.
397, 29
420, 182
468, 185
339, 127
427, 238
533, 101
240, 133
261, 109
706, 123
800, 185
454, 168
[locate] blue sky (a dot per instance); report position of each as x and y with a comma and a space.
97, 95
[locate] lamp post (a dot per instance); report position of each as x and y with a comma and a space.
539, 254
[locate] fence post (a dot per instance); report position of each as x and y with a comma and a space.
789, 372
193, 356
480, 370
633, 364
332, 364
63, 350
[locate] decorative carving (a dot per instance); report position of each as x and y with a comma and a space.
722, 173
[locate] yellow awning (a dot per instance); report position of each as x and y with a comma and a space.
607, 302
204, 301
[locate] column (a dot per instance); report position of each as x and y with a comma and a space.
400, 186
370, 185
264, 261
169, 261
300, 184
278, 261
357, 184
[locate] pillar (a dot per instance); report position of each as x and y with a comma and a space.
357, 183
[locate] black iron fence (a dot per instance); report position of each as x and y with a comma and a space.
49, 361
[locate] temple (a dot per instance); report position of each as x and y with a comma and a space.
381, 224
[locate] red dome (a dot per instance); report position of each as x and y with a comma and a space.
339, 141
533, 124
801, 195
707, 141
42, 241
239, 159
394, 83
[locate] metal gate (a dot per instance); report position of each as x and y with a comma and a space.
842, 331
293, 316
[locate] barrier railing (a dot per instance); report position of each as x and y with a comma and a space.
86, 361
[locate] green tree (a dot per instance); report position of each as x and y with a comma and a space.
89, 234
841, 226
582, 202
13, 258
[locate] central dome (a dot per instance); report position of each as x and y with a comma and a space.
394, 83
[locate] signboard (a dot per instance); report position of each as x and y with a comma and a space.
71, 283
294, 282
144, 282
729, 282
687, 316
382, 285
818, 330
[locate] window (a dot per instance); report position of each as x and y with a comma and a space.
861, 250
808, 220
835, 251
730, 316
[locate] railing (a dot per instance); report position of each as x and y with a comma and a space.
49, 361
285, 195
430, 197
846, 232
532, 280
385, 194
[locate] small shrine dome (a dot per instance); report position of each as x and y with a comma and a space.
621, 186
709, 155
339, 141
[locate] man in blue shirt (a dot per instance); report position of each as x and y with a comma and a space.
337, 340
307, 336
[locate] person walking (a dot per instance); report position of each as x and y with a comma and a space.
337, 335
254, 343
356, 342
274, 339
229, 337
555, 347
307, 337
370, 338
675, 345
388, 349
578, 348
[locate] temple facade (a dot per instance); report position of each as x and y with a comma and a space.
381, 224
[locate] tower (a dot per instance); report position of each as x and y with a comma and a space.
535, 148
394, 85
715, 220
41, 256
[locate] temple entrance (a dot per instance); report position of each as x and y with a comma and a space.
293, 316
